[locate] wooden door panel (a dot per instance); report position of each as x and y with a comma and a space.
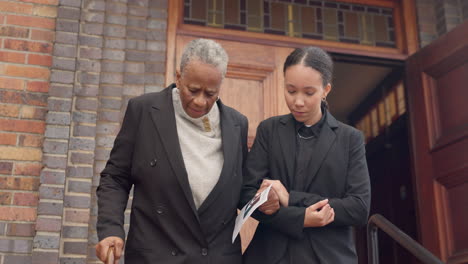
437, 78
247, 97
453, 96
458, 203
447, 94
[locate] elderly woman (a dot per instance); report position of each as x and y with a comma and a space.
182, 150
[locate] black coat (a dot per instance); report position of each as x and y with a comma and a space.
337, 170
165, 226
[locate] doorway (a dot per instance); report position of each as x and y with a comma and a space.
369, 94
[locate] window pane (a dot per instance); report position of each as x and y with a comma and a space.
330, 20
232, 12
199, 9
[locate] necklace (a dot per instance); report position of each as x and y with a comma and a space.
302, 137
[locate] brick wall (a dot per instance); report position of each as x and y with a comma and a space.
437, 17
67, 71
26, 42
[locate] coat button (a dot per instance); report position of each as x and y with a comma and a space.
174, 253
153, 162
204, 252
159, 210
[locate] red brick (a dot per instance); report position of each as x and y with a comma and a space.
7, 139
27, 169
9, 110
28, 21
23, 45
15, 32
19, 183
6, 167
45, 35
38, 99
11, 97
45, 11
30, 140
15, 57
10, 83
36, 86
28, 126
26, 199
8, 213
5, 197
43, 60
46, 2
9, 7
27, 71
19, 229
2, 19
20, 153
31, 112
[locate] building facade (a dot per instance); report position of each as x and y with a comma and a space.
67, 71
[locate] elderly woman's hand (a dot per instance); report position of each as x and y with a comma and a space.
279, 188
102, 249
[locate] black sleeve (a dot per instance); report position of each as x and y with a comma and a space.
115, 182
290, 220
353, 208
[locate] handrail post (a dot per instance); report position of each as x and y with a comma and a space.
372, 244
376, 222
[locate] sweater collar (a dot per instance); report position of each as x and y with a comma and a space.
206, 123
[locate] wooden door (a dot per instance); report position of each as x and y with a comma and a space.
253, 85
437, 81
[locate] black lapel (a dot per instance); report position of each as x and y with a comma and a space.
162, 114
230, 131
326, 139
287, 139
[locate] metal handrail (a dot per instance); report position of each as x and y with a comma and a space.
377, 221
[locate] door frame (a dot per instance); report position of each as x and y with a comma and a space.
406, 34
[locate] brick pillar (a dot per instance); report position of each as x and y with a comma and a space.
465, 9
109, 101
448, 14
57, 142
426, 21
437, 17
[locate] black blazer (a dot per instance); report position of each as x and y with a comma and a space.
337, 171
165, 226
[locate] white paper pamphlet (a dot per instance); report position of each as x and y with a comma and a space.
248, 209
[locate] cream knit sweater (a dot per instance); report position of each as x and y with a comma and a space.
201, 146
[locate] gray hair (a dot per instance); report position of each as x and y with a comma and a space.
206, 51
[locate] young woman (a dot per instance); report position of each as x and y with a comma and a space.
317, 166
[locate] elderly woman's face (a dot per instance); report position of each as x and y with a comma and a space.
199, 87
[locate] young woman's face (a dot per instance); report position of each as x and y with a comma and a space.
303, 92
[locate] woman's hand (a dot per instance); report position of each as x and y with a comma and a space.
279, 189
272, 205
319, 214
